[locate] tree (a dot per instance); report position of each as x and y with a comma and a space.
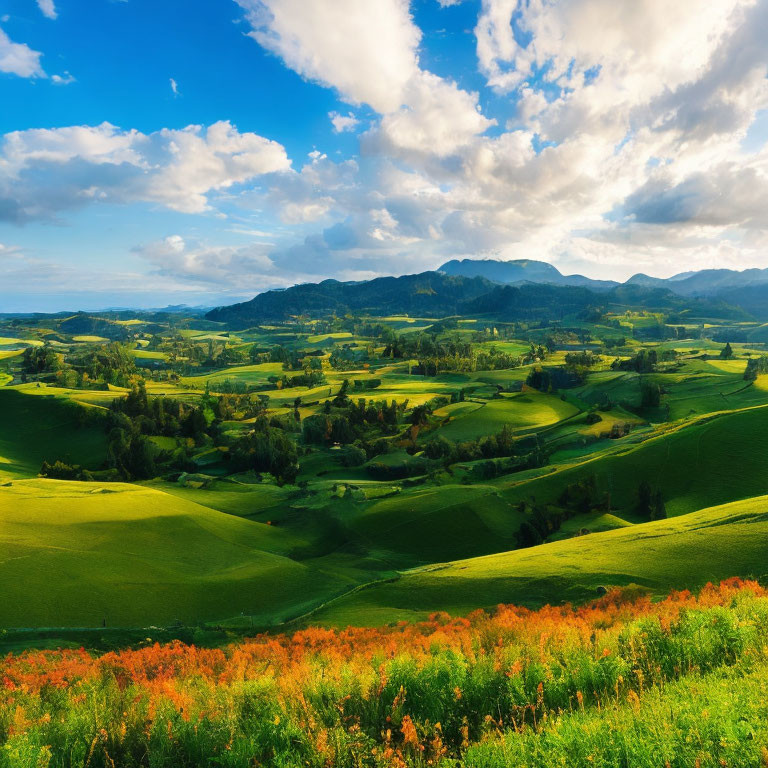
651, 394
726, 353
645, 500
659, 508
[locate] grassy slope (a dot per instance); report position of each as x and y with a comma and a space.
438, 523
521, 412
713, 461
73, 554
39, 428
687, 551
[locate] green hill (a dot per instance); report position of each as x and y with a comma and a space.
684, 552
717, 459
34, 429
75, 554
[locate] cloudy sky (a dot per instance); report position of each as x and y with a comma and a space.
201, 151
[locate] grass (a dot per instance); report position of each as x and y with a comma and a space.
712, 460
8, 341
687, 551
522, 412
145, 556
34, 429
434, 524
249, 374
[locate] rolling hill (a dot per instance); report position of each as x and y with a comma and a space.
684, 552
79, 554
427, 294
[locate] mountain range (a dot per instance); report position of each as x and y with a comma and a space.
514, 290
706, 282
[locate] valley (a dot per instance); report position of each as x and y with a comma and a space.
173, 470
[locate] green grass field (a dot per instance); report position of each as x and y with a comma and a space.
522, 412
75, 554
714, 460
34, 429
683, 552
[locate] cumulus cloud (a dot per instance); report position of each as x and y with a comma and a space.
46, 171
48, 8
342, 123
368, 52
246, 267
65, 79
18, 58
623, 148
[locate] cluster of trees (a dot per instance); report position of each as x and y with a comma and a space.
643, 361
650, 394
755, 367
552, 379
310, 378
60, 470
541, 520
37, 360
266, 449
489, 447
585, 359
229, 407
159, 415
345, 421
107, 364
135, 417
726, 353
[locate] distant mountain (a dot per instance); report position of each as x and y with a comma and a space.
519, 271
709, 282
435, 294
646, 281
527, 300
427, 294
751, 298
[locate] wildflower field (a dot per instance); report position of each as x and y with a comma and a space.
622, 681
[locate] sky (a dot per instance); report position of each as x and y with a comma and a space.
198, 152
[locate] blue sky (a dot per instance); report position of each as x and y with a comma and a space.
182, 151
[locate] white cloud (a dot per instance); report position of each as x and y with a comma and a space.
65, 79
45, 171
368, 52
48, 9
245, 268
440, 118
625, 152
342, 123
174, 87
18, 58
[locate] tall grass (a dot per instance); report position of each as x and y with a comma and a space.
620, 682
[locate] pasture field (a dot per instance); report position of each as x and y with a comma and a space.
34, 429
521, 412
